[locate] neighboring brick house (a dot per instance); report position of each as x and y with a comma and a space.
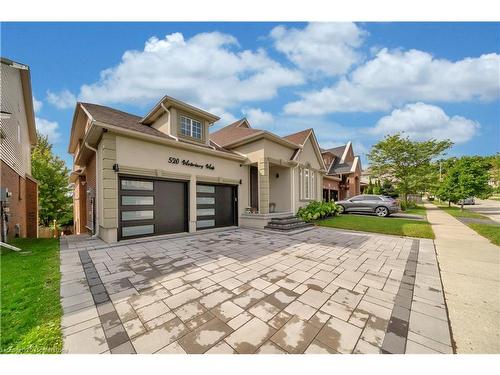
18, 136
343, 177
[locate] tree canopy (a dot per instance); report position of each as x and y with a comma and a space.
54, 193
466, 177
406, 163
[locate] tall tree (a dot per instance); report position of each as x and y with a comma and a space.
495, 171
467, 177
405, 163
54, 193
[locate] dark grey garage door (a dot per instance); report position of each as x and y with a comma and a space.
150, 207
216, 206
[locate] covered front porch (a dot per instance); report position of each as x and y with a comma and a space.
271, 192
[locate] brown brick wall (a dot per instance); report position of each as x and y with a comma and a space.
31, 208
17, 203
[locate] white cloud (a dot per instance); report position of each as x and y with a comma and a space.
328, 48
208, 70
258, 117
48, 128
393, 78
63, 99
423, 121
37, 104
226, 117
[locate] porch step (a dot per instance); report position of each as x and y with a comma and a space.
287, 223
286, 220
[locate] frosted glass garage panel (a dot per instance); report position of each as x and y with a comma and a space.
205, 212
137, 230
205, 223
205, 200
137, 215
205, 189
137, 200
137, 185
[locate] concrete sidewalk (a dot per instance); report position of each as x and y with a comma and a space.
470, 271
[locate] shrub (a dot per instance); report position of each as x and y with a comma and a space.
406, 205
317, 210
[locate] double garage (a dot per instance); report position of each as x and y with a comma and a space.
150, 207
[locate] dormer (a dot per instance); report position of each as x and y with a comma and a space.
180, 120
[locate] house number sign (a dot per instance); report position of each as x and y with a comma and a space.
189, 163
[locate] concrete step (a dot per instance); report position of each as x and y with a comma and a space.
288, 227
287, 220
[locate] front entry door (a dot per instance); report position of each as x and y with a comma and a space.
326, 195
254, 188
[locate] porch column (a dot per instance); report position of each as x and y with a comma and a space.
263, 186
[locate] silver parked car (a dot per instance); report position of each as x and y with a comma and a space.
378, 204
467, 201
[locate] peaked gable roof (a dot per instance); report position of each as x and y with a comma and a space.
304, 136
242, 131
121, 119
233, 132
337, 151
299, 138
132, 122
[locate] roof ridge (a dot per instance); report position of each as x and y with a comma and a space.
301, 131
109, 108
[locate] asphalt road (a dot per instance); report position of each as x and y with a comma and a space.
489, 208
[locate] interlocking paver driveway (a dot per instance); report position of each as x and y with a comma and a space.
246, 291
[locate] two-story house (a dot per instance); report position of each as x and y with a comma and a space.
343, 177
17, 137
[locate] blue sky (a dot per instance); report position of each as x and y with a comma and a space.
348, 81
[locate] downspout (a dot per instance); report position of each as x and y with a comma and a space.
97, 165
169, 120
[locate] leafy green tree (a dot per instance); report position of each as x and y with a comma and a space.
407, 164
495, 171
388, 189
467, 177
369, 188
54, 192
377, 190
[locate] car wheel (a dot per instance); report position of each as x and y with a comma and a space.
382, 211
341, 209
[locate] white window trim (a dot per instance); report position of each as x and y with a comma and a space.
191, 133
307, 178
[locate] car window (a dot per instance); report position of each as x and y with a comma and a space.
363, 198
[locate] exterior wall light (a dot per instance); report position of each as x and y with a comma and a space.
116, 168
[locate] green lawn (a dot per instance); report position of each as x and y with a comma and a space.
30, 307
417, 210
457, 212
491, 232
384, 225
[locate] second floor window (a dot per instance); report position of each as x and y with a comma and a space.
191, 128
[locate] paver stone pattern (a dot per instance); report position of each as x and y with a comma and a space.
247, 291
